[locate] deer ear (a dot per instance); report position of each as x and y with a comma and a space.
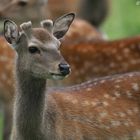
62, 24
11, 32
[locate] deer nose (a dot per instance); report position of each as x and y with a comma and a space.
64, 69
22, 2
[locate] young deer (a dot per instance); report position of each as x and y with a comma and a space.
7, 56
103, 109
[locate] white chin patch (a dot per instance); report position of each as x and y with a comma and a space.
58, 77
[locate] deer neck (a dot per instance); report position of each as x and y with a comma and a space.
29, 104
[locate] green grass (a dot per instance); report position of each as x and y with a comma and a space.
123, 20
1, 125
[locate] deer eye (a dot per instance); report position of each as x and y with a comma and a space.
34, 49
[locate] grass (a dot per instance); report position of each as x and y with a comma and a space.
1, 125
124, 19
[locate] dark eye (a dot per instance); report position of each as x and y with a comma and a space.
34, 50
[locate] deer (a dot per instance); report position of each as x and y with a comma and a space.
7, 89
11, 4
104, 108
13, 9
98, 58
7, 56
98, 9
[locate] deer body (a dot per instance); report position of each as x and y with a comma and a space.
106, 109
103, 109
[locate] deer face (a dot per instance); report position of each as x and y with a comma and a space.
38, 48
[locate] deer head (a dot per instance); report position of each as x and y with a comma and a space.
38, 48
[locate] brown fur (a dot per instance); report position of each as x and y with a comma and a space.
105, 109
41, 35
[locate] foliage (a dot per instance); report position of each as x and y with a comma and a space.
123, 19
1, 124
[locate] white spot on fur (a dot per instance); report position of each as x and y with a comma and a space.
126, 50
68, 98
137, 133
113, 98
105, 103
131, 75
126, 123
86, 103
103, 114
136, 110
118, 81
117, 94
129, 94
117, 86
88, 89
133, 62
4, 58
74, 101
106, 96
103, 81
93, 104
115, 123
135, 86
122, 115
129, 112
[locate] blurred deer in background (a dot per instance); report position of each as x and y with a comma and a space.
21, 10
11, 4
98, 10
93, 11
103, 109
96, 58
38, 9
6, 84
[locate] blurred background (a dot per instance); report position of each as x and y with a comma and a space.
119, 21
123, 19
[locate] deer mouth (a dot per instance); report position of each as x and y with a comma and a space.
57, 76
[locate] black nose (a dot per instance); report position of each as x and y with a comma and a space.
64, 69
22, 3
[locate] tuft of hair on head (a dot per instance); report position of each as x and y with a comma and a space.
47, 24
27, 27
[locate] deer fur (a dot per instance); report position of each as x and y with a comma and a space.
29, 108
102, 109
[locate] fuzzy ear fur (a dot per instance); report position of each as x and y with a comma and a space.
47, 24
11, 31
62, 24
27, 28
